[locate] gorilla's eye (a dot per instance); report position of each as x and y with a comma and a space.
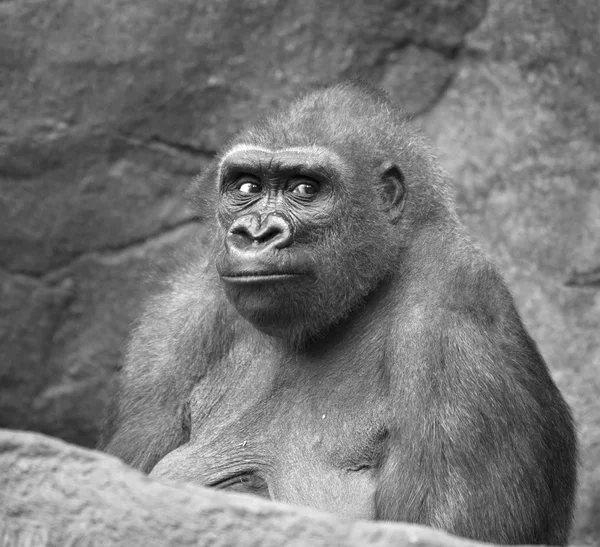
247, 187
305, 189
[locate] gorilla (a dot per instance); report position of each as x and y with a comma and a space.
342, 344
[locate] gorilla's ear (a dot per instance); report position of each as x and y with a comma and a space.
393, 190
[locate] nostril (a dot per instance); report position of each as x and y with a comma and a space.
240, 231
239, 241
276, 231
284, 237
239, 238
269, 232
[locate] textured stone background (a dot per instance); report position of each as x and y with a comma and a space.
108, 107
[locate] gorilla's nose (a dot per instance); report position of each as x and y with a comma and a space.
257, 233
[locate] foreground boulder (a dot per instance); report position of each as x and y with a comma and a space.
54, 493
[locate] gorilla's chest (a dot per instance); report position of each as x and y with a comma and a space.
284, 432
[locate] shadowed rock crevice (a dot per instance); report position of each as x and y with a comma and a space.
584, 279
116, 252
180, 147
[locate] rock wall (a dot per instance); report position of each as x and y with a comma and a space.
107, 108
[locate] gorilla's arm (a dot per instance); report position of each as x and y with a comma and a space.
181, 332
484, 430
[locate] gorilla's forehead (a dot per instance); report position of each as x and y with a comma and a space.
309, 156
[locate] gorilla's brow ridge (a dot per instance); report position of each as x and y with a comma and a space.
313, 150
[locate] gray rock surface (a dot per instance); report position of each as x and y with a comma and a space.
53, 493
107, 108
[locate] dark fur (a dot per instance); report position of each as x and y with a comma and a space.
407, 387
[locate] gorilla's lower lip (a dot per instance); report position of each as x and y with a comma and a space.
248, 278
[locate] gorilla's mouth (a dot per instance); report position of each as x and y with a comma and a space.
248, 278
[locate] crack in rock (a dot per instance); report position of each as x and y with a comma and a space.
171, 148
53, 275
588, 279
